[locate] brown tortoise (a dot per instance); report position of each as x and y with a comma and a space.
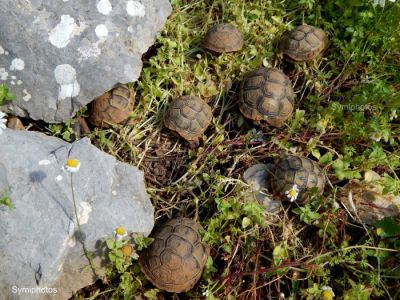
223, 38
175, 260
304, 43
113, 107
189, 117
266, 94
299, 173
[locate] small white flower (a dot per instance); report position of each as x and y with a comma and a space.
3, 121
393, 115
72, 165
293, 193
376, 136
283, 296
120, 233
327, 293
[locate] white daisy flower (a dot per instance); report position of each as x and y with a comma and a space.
376, 136
327, 293
293, 193
72, 165
3, 121
120, 233
393, 115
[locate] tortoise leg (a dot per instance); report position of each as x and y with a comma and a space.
193, 144
84, 126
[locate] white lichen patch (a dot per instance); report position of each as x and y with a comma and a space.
3, 74
13, 77
60, 35
17, 64
19, 82
89, 51
85, 210
26, 96
114, 193
12, 82
1, 50
59, 178
104, 7
44, 162
66, 77
101, 31
135, 9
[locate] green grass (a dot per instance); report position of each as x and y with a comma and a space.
255, 254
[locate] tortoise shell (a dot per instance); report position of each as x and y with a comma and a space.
189, 117
293, 170
175, 260
304, 43
223, 38
113, 107
266, 94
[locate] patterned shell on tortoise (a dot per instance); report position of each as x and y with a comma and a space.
304, 43
175, 260
293, 170
266, 94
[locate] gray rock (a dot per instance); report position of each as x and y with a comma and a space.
258, 178
366, 203
57, 56
38, 237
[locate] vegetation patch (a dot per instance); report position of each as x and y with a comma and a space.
345, 118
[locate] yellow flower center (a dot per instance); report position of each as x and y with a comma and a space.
292, 193
120, 231
327, 295
127, 250
72, 162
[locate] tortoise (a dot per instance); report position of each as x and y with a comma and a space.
113, 107
175, 260
189, 117
15, 123
266, 95
296, 173
223, 38
303, 43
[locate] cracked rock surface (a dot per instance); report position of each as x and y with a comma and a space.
38, 238
57, 56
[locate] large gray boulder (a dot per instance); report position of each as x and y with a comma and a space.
57, 56
38, 239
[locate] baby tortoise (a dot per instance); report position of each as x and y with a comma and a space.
223, 38
113, 107
189, 117
293, 176
304, 43
266, 94
175, 260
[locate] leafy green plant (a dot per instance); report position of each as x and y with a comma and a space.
5, 95
124, 269
6, 201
